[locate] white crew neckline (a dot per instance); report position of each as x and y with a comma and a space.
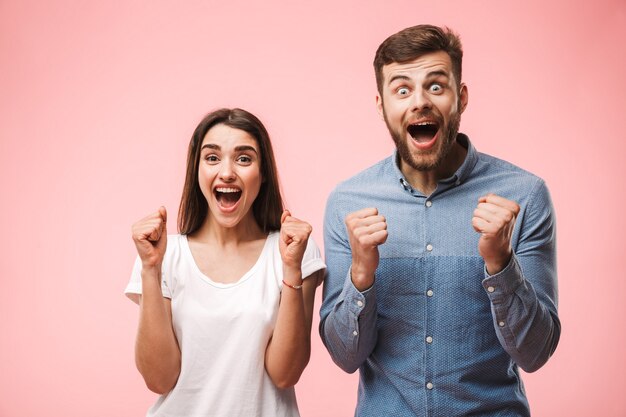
222, 285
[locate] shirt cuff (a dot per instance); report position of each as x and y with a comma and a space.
505, 282
358, 303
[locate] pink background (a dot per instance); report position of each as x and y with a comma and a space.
97, 104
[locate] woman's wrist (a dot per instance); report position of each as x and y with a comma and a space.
292, 276
151, 271
294, 287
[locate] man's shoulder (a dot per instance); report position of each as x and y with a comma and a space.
498, 176
381, 171
364, 189
492, 164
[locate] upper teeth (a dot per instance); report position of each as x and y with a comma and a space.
227, 190
424, 123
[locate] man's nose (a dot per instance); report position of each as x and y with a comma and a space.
420, 101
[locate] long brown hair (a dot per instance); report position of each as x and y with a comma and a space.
268, 205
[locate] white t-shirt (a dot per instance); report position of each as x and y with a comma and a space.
223, 331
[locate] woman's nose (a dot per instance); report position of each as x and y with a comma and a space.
227, 172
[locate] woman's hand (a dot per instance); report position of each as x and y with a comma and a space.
294, 235
150, 237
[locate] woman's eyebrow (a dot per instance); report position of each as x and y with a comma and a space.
246, 148
239, 148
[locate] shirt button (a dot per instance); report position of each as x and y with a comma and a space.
429, 339
359, 303
457, 182
429, 385
429, 247
429, 203
491, 289
501, 323
429, 293
354, 333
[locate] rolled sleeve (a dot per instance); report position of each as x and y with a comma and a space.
349, 331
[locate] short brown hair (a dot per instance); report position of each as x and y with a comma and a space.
411, 43
268, 205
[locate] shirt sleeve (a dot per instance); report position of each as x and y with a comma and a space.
312, 260
133, 288
524, 295
348, 317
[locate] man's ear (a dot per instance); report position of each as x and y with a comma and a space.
463, 97
379, 106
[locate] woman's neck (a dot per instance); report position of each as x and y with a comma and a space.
245, 231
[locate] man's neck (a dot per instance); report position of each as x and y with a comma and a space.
426, 181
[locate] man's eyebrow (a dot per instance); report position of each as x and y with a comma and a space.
432, 74
399, 77
438, 73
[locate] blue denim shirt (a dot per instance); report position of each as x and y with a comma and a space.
436, 335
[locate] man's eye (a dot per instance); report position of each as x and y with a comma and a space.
403, 91
436, 88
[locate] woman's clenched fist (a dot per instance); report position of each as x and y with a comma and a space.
150, 237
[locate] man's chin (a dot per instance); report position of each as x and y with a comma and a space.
422, 161
424, 164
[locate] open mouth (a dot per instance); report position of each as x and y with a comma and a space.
423, 132
227, 196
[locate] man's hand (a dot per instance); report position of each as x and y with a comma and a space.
366, 230
494, 218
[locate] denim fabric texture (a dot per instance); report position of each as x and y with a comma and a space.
437, 335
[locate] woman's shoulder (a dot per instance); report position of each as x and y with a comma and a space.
176, 241
176, 248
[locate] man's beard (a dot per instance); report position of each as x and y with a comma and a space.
423, 163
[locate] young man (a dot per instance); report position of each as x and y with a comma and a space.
441, 260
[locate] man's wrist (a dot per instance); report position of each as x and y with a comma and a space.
496, 266
361, 281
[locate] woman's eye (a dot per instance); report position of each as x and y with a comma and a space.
403, 91
244, 159
211, 158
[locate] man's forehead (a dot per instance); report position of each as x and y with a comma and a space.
433, 62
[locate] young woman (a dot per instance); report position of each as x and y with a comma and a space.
226, 305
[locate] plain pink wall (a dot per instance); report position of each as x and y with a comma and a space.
98, 101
